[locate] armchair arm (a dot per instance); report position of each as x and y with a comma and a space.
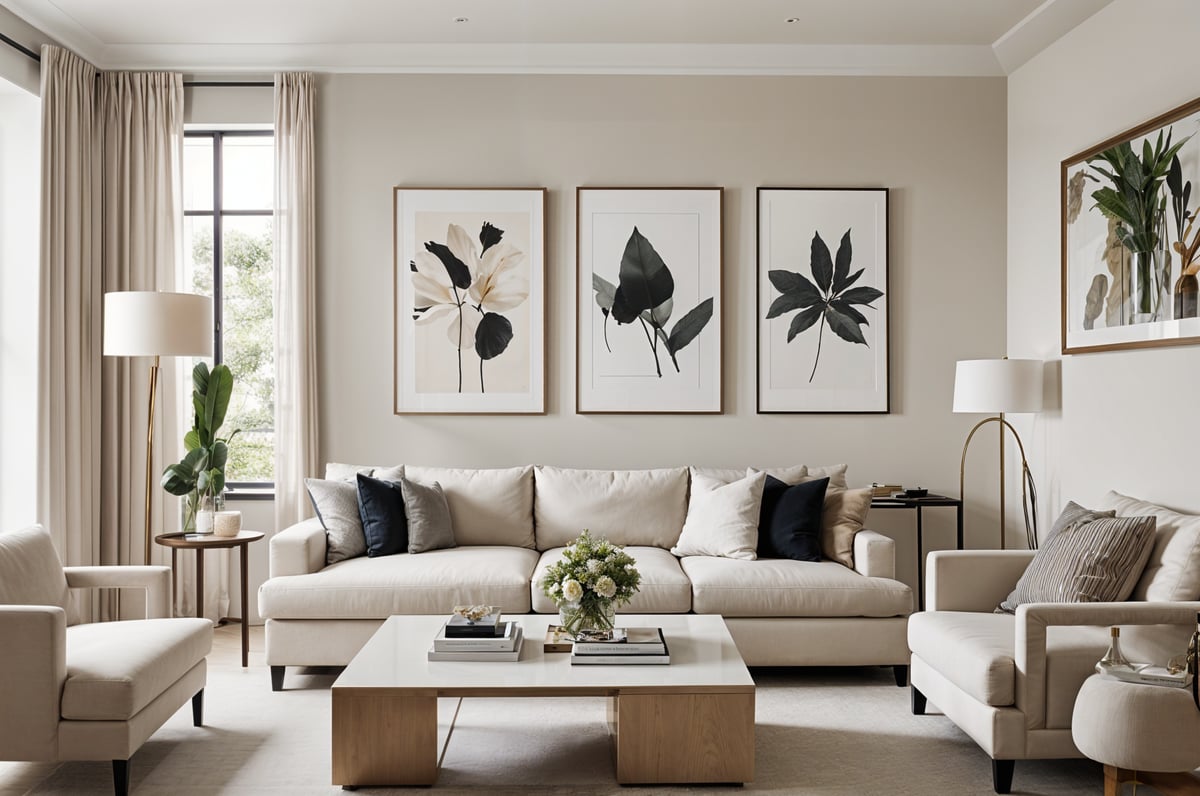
874, 555
1034, 618
35, 667
155, 580
972, 580
298, 549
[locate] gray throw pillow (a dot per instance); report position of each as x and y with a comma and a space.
336, 503
1096, 561
428, 515
1073, 515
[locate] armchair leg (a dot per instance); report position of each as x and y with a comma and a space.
277, 678
120, 777
901, 674
918, 701
1002, 774
198, 709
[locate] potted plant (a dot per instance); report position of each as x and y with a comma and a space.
587, 584
1187, 243
200, 475
1136, 202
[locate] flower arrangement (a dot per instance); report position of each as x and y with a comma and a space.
591, 579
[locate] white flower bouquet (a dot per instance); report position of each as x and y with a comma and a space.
587, 584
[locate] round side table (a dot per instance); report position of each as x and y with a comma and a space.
209, 541
1147, 733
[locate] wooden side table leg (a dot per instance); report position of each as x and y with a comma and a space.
174, 580
245, 549
200, 582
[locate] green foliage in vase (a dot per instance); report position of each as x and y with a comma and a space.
592, 572
1134, 196
201, 472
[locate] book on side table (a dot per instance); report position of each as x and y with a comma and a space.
628, 646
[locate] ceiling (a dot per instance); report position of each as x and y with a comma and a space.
968, 37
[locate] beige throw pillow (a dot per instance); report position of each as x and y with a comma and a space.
842, 518
1172, 571
722, 519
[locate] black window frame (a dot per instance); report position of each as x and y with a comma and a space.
260, 489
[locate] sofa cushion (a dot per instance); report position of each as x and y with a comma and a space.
114, 669
664, 590
628, 507
336, 471
428, 515
336, 504
722, 518
30, 571
789, 524
783, 587
1172, 571
381, 508
429, 583
727, 475
841, 519
487, 507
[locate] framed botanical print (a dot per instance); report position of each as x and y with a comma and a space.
822, 308
649, 300
469, 287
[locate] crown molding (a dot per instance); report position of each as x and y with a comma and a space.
1045, 25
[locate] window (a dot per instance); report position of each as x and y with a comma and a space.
228, 186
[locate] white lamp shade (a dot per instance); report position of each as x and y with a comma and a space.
998, 385
148, 323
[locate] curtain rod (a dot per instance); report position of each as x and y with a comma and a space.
21, 48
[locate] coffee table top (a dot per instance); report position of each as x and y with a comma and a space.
703, 658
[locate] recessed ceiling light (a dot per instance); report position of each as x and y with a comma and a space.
461, 20
792, 20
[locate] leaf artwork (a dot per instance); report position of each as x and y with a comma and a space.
645, 294
469, 290
828, 299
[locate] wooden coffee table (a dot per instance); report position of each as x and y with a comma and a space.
691, 721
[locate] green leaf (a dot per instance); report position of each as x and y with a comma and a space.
493, 335
841, 266
191, 440
645, 281
804, 320
786, 303
200, 377
216, 401
860, 295
844, 326
821, 263
689, 326
218, 456
795, 284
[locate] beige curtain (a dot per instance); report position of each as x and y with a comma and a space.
295, 298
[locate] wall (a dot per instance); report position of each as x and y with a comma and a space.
1122, 420
939, 144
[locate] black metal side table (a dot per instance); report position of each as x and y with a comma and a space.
934, 501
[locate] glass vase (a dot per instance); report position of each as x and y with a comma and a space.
591, 619
1187, 291
206, 514
1145, 286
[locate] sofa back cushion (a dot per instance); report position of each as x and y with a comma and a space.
636, 507
30, 572
487, 507
1172, 571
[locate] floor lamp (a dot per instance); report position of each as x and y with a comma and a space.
1000, 386
151, 324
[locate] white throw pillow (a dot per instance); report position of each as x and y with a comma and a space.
722, 519
1172, 572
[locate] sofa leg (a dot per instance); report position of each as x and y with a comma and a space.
277, 678
121, 777
901, 674
918, 701
198, 709
1002, 774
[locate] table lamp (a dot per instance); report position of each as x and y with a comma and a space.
151, 324
1000, 386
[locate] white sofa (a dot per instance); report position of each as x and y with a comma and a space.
510, 524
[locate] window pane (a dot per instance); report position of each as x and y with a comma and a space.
248, 172
198, 255
197, 173
247, 334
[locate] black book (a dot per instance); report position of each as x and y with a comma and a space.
459, 627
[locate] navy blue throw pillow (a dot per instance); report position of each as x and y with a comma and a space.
381, 507
789, 525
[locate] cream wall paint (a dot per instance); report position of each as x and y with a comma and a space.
939, 144
1122, 420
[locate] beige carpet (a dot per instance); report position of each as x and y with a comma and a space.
827, 731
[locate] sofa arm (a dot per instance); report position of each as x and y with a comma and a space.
972, 580
874, 555
155, 580
35, 668
1034, 618
298, 549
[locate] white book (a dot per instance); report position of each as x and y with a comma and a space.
627, 641
621, 660
479, 655
1147, 675
503, 643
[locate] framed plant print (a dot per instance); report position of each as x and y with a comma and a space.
469, 288
822, 308
650, 310
1130, 241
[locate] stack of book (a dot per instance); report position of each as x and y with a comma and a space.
629, 645
1146, 674
495, 641
884, 490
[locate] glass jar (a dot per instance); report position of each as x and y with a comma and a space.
595, 618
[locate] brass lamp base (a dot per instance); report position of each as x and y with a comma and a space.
1031, 530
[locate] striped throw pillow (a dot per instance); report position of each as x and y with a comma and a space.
1096, 561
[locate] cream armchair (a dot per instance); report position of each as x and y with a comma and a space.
89, 691
1010, 682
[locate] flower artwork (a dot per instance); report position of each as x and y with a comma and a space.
592, 578
469, 301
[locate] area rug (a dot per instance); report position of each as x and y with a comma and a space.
819, 731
